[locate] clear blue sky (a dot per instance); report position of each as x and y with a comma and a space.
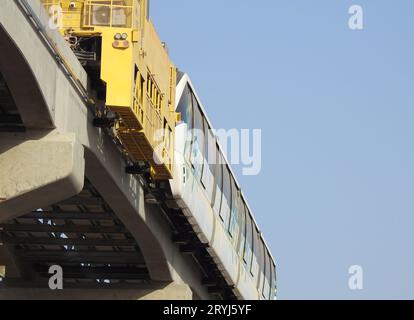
337, 112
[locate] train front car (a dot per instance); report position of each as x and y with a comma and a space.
206, 190
132, 80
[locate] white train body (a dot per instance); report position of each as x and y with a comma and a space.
209, 195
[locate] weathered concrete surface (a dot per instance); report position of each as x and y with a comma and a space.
38, 168
144, 292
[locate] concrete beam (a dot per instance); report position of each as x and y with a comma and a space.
143, 292
24, 65
22, 84
38, 168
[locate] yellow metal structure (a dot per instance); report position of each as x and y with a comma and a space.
137, 74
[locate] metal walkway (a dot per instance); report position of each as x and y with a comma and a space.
83, 236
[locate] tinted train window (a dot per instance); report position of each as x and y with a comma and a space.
249, 244
242, 224
219, 182
213, 152
185, 107
197, 148
256, 253
226, 201
266, 291
262, 265
210, 160
234, 216
273, 287
266, 272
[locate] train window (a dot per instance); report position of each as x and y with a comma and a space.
242, 223
256, 253
197, 149
262, 265
219, 183
249, 242
273, 285
272, 281
209, 161
234, 217
226, 202
266, 291
185, 107
266, 274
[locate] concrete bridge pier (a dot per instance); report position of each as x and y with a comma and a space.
38, 168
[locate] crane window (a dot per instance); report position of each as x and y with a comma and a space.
108, 13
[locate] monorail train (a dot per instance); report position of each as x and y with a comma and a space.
137, 92
209, 195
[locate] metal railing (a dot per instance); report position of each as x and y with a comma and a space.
93, 13
108, 13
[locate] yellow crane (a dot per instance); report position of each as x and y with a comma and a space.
130, 73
